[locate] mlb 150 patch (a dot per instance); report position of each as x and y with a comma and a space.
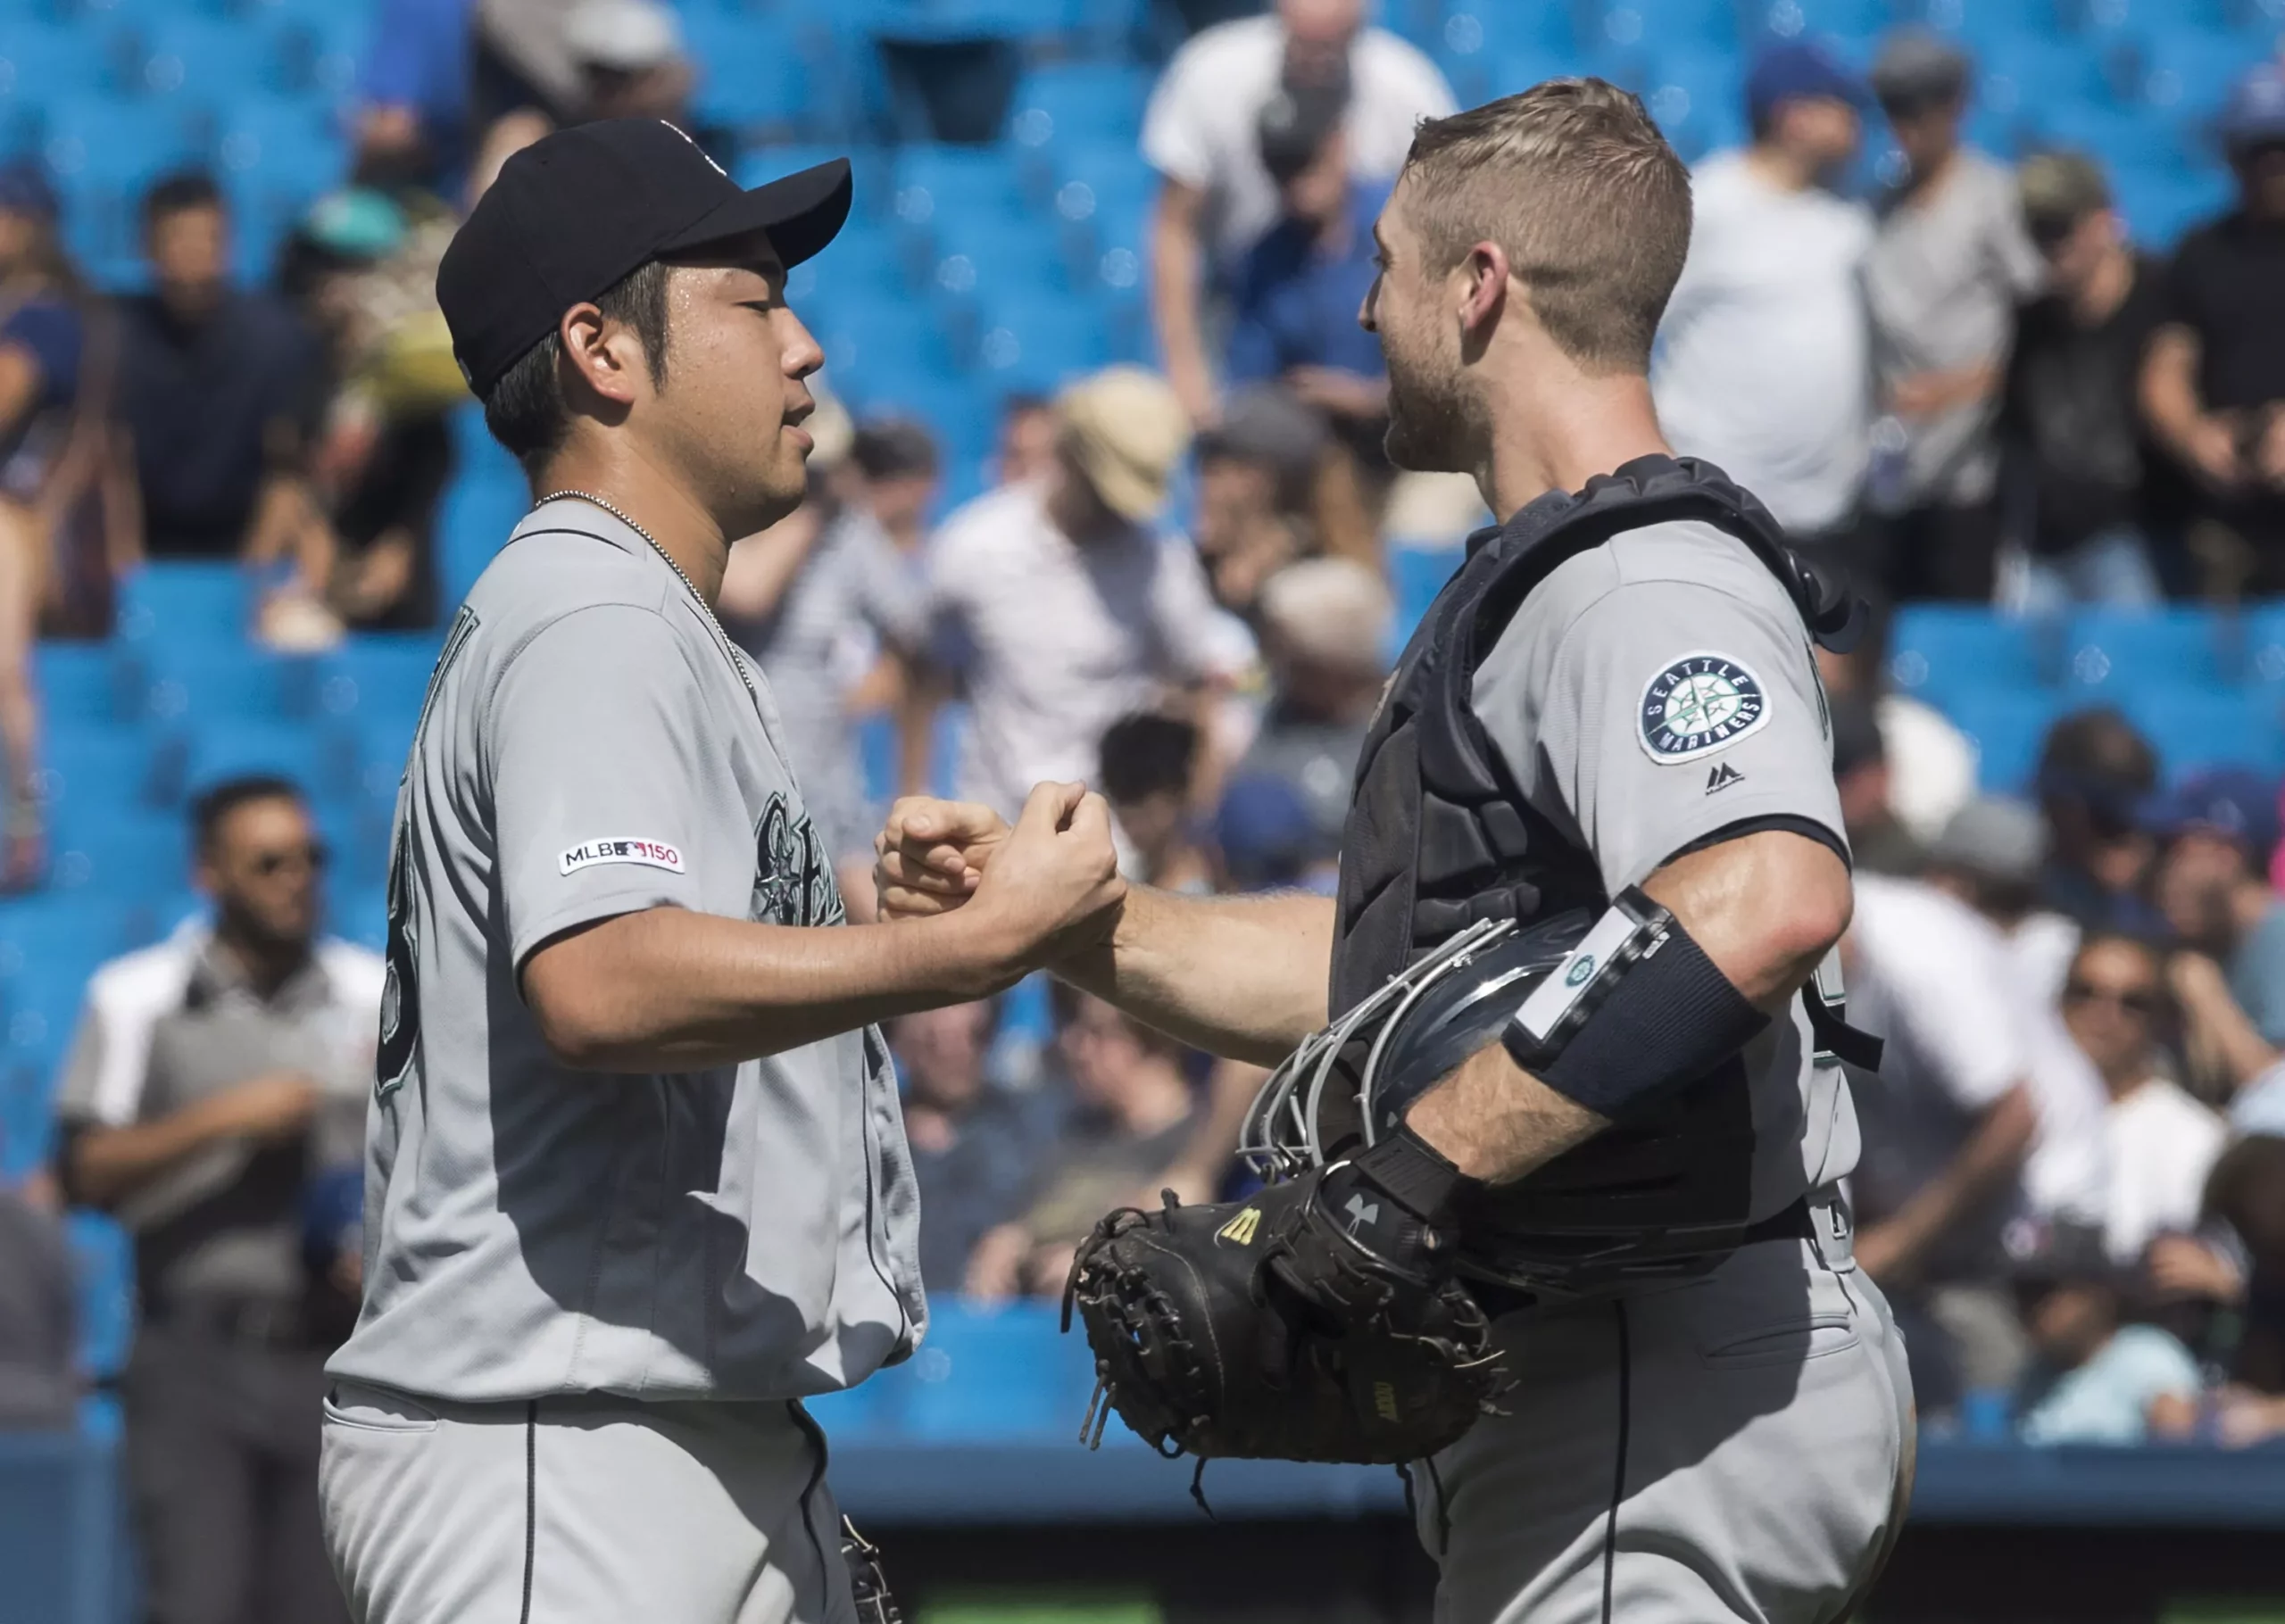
621, 848
1699, 704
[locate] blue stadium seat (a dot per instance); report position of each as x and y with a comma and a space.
216, 681
754, 73
372, 749
232, 749
82, 683
1515, 70
2119, 136
136, 851
1938, 650
41, 61
377, 671
472, 521
2196, 728
2160, 202
44, 924
1080, 102
118, 866
1794, 19
2264, 643
2188, 73
2107, 652
106, 1258
109, 766
1041, 343
175, 603
870, 342
1699, 100
106, 151
2006, 726
210, 62
320, 45
1978, 22
277, 144
2023, 73
939, 187
1416, 575
1634, 25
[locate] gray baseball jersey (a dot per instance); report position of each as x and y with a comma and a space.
588, 747
1654, 691
1731, 1448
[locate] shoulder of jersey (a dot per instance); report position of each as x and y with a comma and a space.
543, 574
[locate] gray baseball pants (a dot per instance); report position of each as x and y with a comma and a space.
583, 1510
1738, 1447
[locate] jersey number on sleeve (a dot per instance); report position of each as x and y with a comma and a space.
398, 1052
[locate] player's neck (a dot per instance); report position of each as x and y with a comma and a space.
1556, 438
651, 497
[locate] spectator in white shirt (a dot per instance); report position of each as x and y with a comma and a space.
1202, 134
1947, 1125
2162, 1143
1763, 365
1989, 857
1059, 609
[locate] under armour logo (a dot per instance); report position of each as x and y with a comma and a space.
1362, 1214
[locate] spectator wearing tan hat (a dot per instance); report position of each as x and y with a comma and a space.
1057, 608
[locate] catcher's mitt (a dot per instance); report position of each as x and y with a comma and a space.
1259, 1329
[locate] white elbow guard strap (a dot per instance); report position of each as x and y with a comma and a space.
1636, 1011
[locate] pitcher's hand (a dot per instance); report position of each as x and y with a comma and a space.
1052, 885
930, 855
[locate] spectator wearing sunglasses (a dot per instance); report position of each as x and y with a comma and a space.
216, 1081
2162, 1142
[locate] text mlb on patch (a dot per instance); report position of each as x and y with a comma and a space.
621, 848
1699, 704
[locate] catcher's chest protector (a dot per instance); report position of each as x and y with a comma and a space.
1439, 836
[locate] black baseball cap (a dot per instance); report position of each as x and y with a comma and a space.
573, 213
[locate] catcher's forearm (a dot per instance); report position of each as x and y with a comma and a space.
1240, 976
1762, 909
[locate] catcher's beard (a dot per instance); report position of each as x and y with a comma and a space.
1427, 420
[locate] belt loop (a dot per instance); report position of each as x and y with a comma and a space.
1833, 1228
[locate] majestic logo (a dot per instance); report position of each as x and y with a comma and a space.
621, 848
1722, 777
1699, 704
792, 878
1240, 1229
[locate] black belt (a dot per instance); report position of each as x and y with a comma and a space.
1794, 1222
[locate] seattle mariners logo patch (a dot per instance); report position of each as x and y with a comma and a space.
1699, 704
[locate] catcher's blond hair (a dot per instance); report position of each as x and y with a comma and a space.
1572, 180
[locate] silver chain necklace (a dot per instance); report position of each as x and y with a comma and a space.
729, 647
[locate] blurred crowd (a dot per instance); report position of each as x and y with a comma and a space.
1974, 386
1970, 387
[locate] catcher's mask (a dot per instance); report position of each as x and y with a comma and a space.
1351, 1082
1671, 1200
